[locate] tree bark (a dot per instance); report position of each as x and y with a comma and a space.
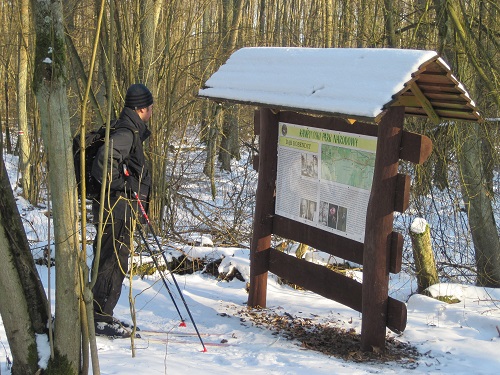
230, 135
22, 81
389, 23
229, 146
469, 151
50, 90
8, 141
24, 305
150, 12
475, 193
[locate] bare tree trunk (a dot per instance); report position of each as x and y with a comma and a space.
50, 90
213, 135
22, 80
6, 29
8, 141
469, 151
328, 23
421, 21
24, 305
262, 23
478, 203
230, 136
150, 12
14, 311
362, 26
229, 147
389, 23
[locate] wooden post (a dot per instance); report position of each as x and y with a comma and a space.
264, 208
379, 225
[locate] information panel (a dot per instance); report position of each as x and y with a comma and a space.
324, 178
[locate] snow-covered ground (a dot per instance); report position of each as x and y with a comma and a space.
461, 338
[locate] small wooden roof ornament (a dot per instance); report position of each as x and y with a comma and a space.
358, 83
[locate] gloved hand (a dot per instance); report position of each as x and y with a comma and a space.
134, 188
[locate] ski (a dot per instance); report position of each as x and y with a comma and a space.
178, 333
178, 340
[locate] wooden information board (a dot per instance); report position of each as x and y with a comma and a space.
379, 250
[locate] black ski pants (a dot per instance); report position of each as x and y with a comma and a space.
113, 265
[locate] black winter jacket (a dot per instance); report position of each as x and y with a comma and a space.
125, 149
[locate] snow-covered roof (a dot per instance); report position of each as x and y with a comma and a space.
351, 82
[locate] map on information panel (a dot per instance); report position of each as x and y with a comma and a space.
347, 166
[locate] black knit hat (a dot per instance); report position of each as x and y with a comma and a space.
138, 96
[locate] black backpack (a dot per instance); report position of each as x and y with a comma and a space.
93, 141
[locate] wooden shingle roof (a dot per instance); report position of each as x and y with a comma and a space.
434, 92
359, 83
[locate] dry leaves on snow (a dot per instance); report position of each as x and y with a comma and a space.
328, 338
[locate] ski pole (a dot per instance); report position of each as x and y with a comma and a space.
183, 324
145, 215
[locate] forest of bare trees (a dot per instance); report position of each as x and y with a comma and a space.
65, 66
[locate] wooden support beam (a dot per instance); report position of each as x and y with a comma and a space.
264, 207
402, 198
319, 239
415, 148
426, 104
396, 252
329, 284
256, 122
255, 162
397, 315
406, 101
379, 222
316, 278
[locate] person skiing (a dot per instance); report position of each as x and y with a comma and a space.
129, 179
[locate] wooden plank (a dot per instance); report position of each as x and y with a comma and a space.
397, 315
402, 198
316, 278
450, 113
436, 101
379, 222
329, 284
433, 67
260, 261
426, 104
255, 162
437, 88
413, 111
256, 122
434, 78
407, 101
264, 207
447, 97
415, 148
329, 123
330, 243
445, 105
396, 255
